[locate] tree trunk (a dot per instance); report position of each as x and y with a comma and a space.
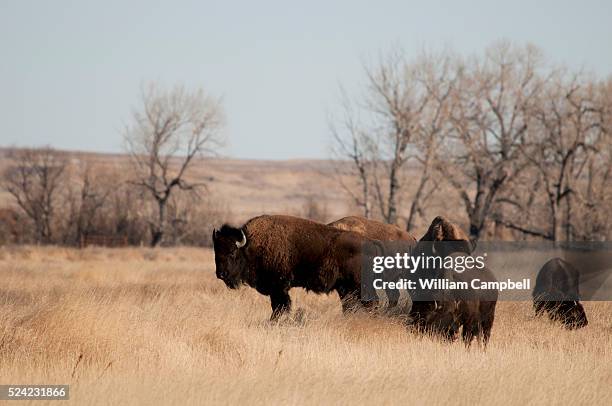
568, 218
415, 206
392, 201
476, 226
365, 191
476, 215
157, 233
555, 231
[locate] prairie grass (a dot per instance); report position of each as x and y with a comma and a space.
142, 326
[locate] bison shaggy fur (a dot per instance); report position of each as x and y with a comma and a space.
276, 253
372, 229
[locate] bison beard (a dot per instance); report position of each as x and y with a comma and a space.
276, 253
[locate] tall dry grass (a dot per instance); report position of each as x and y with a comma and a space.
140, 326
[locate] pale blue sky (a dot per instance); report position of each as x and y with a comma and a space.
70, 71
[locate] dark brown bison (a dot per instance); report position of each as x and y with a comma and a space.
276, 253
557, 292
376, 230
472, 310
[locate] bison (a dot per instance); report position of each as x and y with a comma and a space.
372, 229
473, 310
378, 231
276, 253
557, 292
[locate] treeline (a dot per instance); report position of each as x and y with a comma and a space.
525, 146
65, 198
70, 199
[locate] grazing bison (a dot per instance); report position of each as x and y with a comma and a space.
473, 310
376, 230
557, 292
276, 253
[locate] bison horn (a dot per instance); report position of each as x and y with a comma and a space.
242, 242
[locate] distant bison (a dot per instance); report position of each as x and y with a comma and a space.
378, 231
276, 253
472, 310
557, 292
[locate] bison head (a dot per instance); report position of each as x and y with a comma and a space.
442, 229
228, 243
572, 314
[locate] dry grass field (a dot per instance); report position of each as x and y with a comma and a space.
141, 326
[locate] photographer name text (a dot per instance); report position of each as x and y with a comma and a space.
447, 284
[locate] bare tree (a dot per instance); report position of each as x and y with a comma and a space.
405, 109
124, 212
34, 178
352, 142
595, 199
167, 135
491, 113
438, 75
396, 100
591, 220
563, 140
11, 228
524, 145
86, 200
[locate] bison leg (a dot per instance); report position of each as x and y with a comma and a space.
488, 316
487, 326
350, 300
281, 303
393, 296
471, 329
419, 313
468, 334
486, 331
